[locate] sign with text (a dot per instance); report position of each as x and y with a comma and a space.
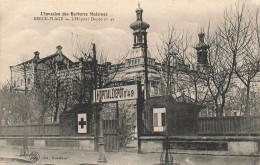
115, 94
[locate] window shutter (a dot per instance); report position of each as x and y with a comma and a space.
163, 119
155, 120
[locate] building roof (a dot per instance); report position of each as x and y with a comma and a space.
138, 52
26, 62
173, 102
139, 8
139, 24
201, 44
42, 60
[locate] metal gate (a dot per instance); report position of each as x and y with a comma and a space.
110, 135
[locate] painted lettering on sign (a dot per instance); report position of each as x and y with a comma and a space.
115, 93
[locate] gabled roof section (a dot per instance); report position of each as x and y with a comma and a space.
26, 62
51, 57
184, 98
42, 60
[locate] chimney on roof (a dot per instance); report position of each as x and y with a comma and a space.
59, 49
201, 38
36, 55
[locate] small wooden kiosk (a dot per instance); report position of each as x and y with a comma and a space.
77, 119
168, 116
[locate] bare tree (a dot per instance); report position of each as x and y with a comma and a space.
53, 87
227, 44
166, 53
173, 48
96, 71
247, 65
195, 74
178, 66
6, 105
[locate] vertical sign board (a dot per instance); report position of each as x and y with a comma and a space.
159, 119
82, 123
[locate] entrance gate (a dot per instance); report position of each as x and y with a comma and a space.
110, 134
115, 94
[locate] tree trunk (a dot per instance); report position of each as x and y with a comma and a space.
247, 108
221, 111
216, 105
196, 92
57, 102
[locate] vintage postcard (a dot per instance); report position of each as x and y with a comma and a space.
130, 82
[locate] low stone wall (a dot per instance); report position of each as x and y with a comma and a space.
151, 145
232, 145
243, 147
84, 143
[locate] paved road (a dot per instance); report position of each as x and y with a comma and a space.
65, 156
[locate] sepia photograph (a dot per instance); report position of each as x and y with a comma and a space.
133, 82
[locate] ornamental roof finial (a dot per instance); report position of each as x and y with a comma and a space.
139, 9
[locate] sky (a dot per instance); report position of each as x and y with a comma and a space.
21, 35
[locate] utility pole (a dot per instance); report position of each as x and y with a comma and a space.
140, 106
144, 108
94, 63
147, 94
101, 144
25, 150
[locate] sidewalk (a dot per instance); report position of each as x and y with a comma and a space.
66, 156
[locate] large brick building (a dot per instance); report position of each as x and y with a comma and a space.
62, 74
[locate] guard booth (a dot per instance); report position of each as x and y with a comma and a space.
166, 115
78, 121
